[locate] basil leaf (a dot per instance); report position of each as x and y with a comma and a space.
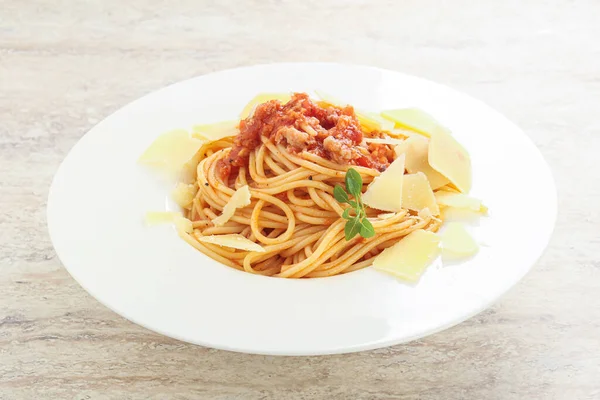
340, 194
352, 228
358, 224
366, 229
353, 182
346, 213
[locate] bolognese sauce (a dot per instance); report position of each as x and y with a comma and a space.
331, 132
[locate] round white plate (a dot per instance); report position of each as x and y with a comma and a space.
150, 276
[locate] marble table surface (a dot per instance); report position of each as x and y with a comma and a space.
65, 65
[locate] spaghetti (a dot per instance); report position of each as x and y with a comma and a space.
291, 156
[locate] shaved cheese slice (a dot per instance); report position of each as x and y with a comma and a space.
263, 98
417, 194
457, 242
171, 150
240, 198
459, 200
450, 188
425, 213
166, 217
369, 121
452, 214
234, 241
329, 99
391, 141
416, 149
412, 118
160, 217
183, 224
216, 131
409, 258
188, 171
385, 192
184, 194
450, 159
373, 122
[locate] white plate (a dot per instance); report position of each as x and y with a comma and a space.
150, 276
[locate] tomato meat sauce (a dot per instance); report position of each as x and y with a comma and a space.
301, 125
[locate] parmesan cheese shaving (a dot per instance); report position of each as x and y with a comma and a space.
166, 217
262, 98
216, 131
240, 198
409, 258
416, 149
183, 194
457, 242
417, 194
385, 192
373, 122
450, 159
412, 118
425, 213
329, 99
459, 200
160, 217
450, 188
234, 241
183, 224
171, 150
369, 121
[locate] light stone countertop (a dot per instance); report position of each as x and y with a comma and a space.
65, 65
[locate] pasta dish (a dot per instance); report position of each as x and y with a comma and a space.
304, 188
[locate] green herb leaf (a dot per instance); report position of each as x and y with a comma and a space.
353, 182
346, 213
340, 194
358, 224
366, 229
352, 228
